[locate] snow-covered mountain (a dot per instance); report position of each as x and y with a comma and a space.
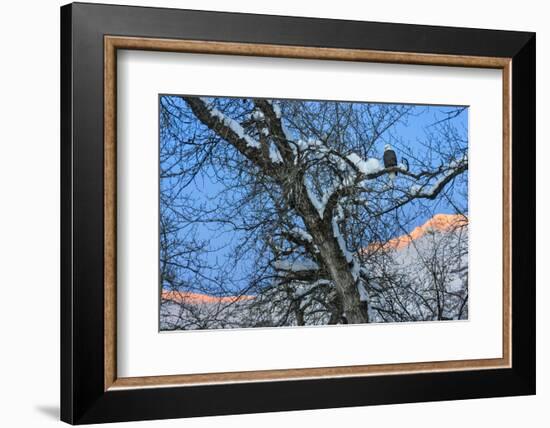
442, 223
421, 275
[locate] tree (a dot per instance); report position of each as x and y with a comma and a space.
421, 279
302, 184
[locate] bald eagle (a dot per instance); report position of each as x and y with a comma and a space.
390, 160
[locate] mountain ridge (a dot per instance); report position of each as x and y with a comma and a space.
439, 222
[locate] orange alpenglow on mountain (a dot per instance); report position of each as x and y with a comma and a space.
439, 222
194, 298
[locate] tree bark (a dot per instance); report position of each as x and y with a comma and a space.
320, 229
339, 270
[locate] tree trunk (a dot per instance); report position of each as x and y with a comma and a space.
340, 272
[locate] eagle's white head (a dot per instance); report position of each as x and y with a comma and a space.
387, 147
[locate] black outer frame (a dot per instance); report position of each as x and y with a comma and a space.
83, 399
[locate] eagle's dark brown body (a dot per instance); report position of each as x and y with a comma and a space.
390, 158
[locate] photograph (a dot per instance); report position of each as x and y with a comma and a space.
272, 212
289, 212
246, 214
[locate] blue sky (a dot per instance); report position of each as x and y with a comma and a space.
412, 134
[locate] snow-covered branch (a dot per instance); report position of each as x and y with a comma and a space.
230, 130
303, 187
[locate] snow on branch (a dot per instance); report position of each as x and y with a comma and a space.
318, 203
353, 169
445, 175
274, 154
368, 167
233, 125
258, 115
230, 130
270, 112
348, 255
295, 265
428, 189
301, 234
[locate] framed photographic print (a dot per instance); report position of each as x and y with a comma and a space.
264, 213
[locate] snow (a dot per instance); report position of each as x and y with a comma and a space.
341, 241
304, 288
370, 166
233, 125
302, 234
457, 162
301, 144
295, 266
407, 262
434, 187
350, 257
319, 205
363, 293
274, 154
317, 148
312, 142
276, 109
258, 115
415, 189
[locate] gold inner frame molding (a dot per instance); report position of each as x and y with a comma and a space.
113, 43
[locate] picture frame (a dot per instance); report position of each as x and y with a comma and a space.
91, 390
